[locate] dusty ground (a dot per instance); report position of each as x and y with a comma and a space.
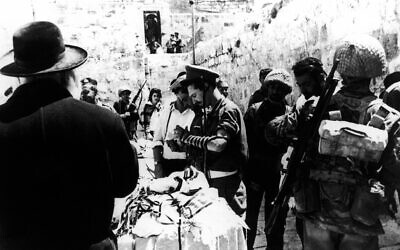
389, 241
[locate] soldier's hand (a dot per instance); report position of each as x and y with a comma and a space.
303, 104
287, 128
307, 109
292, 203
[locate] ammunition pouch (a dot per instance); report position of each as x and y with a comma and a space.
334, 192
306, 194
367, 206
335, 201
345, 195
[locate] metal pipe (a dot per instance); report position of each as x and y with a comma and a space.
33, 11
193, 34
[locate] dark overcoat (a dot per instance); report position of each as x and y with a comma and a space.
62, 163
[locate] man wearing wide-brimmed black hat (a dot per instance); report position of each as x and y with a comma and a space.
217, 136
63, 160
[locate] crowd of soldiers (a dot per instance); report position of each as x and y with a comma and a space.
340, 191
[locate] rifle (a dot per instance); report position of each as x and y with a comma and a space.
138, 93
301, 146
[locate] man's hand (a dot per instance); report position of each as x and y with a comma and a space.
286, 129
180, 133
124, 115
174, 146
307, 108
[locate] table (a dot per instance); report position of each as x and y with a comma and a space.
215, 226
206, 223
233, 240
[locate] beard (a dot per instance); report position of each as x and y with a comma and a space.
89, 99
197, 109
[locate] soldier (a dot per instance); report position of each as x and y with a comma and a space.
217, 137
261, 93
338, 193
262, 176
310, 78
127, 111
223, 87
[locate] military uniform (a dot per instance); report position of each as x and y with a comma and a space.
338, 197
223, 169
263, 172
130, 122
224, 115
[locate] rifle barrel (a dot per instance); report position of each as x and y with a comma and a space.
300, 148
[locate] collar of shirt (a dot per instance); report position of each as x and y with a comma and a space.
29, 97
183, 119
173, 108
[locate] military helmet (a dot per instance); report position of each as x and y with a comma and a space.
361, 56
282, 76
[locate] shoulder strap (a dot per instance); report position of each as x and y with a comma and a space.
169, 117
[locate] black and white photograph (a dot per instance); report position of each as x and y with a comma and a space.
199, 125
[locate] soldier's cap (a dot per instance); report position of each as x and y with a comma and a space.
89, 87
195, 73
282, 76
88, 80
124, 88
176, 83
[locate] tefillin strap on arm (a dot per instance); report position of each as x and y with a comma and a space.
199, 141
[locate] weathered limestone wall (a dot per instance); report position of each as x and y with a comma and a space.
275, 33
112, 31
291, 30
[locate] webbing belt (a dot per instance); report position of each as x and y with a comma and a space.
333, 176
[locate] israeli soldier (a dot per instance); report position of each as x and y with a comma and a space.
216, 141
340, 191
262, 175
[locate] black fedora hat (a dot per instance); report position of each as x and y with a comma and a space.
38, 48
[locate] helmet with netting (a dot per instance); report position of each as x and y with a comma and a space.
361, 56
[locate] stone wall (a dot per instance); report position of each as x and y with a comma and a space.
112, 31
276, 33
282, 33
